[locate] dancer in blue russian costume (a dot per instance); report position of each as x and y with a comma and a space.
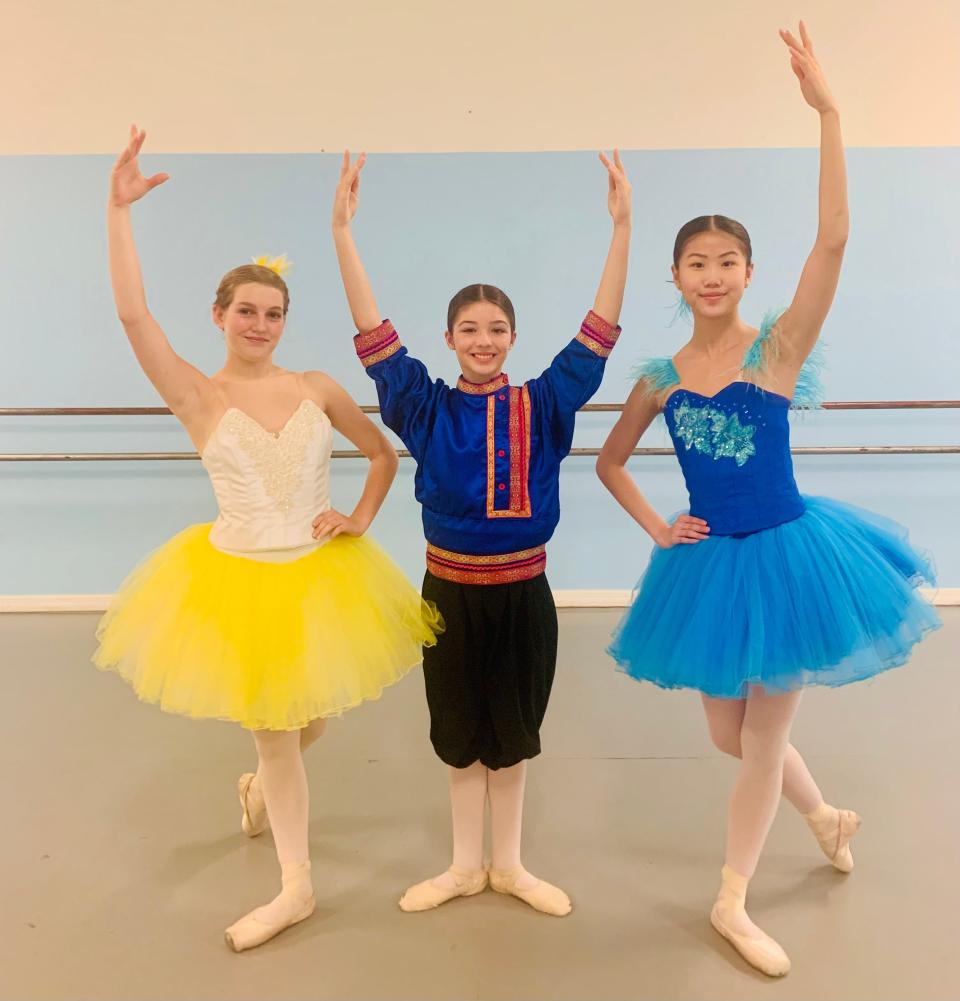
759, 591
488, 457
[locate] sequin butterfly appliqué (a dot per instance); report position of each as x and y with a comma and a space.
712, 432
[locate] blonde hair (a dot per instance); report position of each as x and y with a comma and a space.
247, 274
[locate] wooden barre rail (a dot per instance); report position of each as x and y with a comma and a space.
603, 408
403, 453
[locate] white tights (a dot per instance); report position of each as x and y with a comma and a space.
470, 788
283, 784
725, 721
757, 730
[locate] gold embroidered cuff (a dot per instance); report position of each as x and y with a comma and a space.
598, 335
378, 345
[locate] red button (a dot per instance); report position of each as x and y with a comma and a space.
501, 397
501, 453
501, 486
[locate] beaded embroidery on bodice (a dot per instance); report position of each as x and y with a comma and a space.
269, 485
713, 432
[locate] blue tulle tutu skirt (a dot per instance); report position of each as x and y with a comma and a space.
826, 599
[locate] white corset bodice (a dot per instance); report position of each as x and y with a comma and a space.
269, 486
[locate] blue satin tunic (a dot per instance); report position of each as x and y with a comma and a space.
488, 456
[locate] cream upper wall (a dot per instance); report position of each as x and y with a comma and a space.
424, 75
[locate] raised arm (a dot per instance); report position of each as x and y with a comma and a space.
609, 300
178, 383
363, 305
800, 326
638, 414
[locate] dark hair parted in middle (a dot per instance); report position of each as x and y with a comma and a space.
705, 223
480, 293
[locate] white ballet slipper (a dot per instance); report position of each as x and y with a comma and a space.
544, 897
423, 896
254, 820
762, 952
834, 829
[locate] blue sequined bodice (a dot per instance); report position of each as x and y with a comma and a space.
734, 450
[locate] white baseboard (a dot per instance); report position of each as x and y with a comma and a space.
54, 602
941, 596
592, 599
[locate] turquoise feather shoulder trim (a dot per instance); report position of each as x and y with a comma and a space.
758, 354
659, 373
808, 393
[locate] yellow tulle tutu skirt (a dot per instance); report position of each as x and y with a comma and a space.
271, 646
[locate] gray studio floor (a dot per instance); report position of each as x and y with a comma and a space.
121, 857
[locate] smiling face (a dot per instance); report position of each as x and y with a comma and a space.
712, 273
253, 321
482, 337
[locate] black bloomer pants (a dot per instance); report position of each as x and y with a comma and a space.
488, 678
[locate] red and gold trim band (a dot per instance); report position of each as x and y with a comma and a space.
377, 345
482, 388
518, 434
505, 568
598, 335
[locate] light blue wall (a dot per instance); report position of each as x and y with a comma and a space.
536, 224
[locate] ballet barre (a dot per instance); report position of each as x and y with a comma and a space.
589, 408
403, 453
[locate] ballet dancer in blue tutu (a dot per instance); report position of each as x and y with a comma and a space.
759, 590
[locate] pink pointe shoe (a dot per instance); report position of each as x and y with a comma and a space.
834, 830
254, 820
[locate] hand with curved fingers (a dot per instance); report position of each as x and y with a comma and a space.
620, 190
356, 285
127, 183
184, 388
800, 326
347, 196
803, 62
332, 523
685, 531
609, 298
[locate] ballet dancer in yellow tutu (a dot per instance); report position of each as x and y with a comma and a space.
281, 613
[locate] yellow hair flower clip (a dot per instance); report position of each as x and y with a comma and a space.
279, 265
